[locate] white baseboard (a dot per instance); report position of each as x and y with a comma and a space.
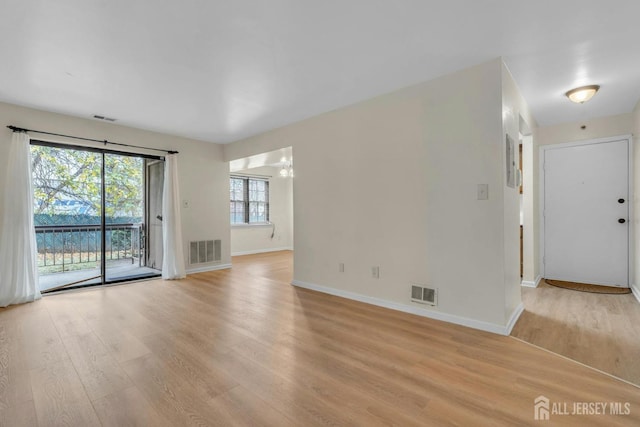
635, 290
514, 318
208, 268
262, 251
437, 315
534, 284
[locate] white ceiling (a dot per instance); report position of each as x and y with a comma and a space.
223, 70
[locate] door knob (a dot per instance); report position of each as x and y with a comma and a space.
622, 220
620, 200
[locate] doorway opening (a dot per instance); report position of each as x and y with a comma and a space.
521, 200
261, 209
93, 211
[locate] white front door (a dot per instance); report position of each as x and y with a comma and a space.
586, 213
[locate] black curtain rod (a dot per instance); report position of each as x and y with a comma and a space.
104, 141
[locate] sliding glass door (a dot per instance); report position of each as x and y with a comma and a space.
154, 184
67, 212
91, 213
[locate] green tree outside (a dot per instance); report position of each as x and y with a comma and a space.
62, 176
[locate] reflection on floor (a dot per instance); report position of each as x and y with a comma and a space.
114, 272
598, 330
272, 265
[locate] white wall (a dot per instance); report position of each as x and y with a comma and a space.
392, 182
602, 127
518, 118
514, 112
203, 173
256, 239
635, 280
531, 254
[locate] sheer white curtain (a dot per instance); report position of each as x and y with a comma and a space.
173, 259
18, 262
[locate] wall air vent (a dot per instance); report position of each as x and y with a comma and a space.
204, 251
424, 295
108, 119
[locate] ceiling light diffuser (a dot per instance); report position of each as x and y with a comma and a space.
582, 94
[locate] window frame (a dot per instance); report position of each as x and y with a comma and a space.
247, 201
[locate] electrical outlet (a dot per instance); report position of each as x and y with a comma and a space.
341, 267
375, 272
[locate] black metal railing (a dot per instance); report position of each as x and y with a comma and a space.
69, 246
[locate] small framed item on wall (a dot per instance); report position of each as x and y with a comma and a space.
511, 161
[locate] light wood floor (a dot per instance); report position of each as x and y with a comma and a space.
602, 331
236, 347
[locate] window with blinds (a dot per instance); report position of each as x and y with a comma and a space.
249, 201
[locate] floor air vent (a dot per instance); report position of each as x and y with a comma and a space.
424, 295
205, 251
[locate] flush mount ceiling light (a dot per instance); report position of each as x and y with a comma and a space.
582, 94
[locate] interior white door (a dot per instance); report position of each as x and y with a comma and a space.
586, 213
